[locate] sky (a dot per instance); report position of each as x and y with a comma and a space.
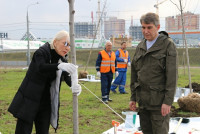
51, 16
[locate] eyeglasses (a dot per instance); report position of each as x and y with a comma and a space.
67, 44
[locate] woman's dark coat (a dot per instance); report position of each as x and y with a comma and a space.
40, 74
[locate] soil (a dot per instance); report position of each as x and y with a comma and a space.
195, 87
177, 112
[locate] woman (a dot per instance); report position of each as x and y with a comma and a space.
37, 99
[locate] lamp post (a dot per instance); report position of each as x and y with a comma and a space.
28, 50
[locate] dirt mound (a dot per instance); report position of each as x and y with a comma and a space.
195, 87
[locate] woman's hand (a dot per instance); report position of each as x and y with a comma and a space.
77, 89
68, 67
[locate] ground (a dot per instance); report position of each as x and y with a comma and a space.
177, 112
195, 87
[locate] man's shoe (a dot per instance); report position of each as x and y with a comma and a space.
114, 92
106, 101
109, 99
124, 93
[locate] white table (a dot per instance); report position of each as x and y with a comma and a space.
184, 128
89, 80
122, 130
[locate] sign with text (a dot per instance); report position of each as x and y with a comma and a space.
3, 35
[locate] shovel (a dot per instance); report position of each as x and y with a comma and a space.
115, 125
177, 126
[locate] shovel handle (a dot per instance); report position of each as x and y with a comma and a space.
179, 122
115, 123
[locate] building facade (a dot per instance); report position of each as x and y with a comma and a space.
192, 37
84, 30
192, 22
173, 26
136, 32
114, 27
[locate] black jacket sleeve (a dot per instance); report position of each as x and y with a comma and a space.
98, 62
44, 65
67, 78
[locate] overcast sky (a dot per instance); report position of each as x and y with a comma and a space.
50, 16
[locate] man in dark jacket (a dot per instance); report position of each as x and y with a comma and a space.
37, 99
153, 77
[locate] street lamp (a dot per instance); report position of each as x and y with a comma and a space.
28, 50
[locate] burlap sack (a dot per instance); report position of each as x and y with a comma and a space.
82, 74
190, 103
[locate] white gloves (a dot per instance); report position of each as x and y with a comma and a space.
68, 67
129, 64
76, 89
72, 69
125, 60
116, 73
98, 74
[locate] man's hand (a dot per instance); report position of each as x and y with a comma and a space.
125, 60
129, 64
98, 74
165, 109
116, 73
132, 105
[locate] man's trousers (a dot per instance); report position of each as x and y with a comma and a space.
106, 80
120, 81
152, 122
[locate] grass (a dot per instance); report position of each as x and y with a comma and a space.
183, 78
83, 54
94, 117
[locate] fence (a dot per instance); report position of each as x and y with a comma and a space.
19, 58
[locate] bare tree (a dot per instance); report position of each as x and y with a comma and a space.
184, 41
73, 56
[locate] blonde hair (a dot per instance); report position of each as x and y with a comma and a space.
60, 35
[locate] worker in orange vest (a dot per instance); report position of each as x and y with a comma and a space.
123, 60
106, 65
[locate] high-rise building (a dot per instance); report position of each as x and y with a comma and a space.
114, 27
84, 30
136, 32
192, 22
170, 23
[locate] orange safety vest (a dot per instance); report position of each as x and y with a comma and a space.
122, 55
107, 62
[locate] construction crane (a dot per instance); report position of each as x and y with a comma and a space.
156, 6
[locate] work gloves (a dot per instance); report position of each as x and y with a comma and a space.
76, 89
116, 73
68, 67
72, 69
125, 60
98, 74
129, 64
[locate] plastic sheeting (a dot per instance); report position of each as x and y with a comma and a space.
184, 128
